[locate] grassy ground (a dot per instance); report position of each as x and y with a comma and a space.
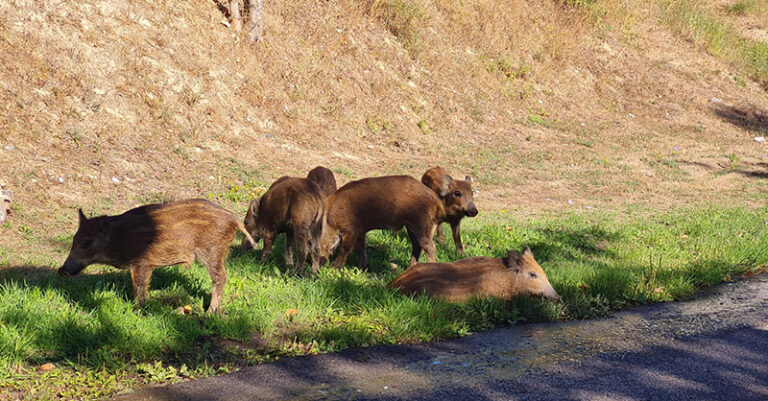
100, 343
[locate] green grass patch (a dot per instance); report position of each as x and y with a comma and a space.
101, 343
693, 18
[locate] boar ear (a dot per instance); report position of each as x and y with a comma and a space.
446, 183
527, 252
513, 260
81, 216
468, 179
254, 206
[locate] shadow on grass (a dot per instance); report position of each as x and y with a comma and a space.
102, 326
108, 338
572, 244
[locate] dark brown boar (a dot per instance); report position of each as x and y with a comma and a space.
459, 202
293, 206
151, 236
324, 179
391, 202
515, 274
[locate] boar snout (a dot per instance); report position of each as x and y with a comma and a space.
552, 297
70, 269
551, 294
472, 212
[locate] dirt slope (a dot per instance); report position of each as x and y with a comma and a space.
107, 104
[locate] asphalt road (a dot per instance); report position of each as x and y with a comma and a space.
712, 348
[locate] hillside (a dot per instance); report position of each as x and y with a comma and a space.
548, 104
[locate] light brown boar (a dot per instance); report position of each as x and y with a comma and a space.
151, 236
459, 202
515, 274
391, 202
293, 206
324, 179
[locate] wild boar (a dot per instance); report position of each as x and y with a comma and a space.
391, 202
459, 202
293, 206
515, 274
324, 179
151, 236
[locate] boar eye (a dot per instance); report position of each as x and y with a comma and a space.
517, 271
533, 275
457, 194
86, 244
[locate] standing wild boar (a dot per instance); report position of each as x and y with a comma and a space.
459, 202
293, 206
151, 236
392, 203
515, 274
324, 179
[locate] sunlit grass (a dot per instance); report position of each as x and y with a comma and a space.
599, 262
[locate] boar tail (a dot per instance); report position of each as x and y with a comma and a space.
246, 234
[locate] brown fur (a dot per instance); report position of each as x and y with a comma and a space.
459, 202
463, 279
293, 206
390, 203
324, 179
151, 236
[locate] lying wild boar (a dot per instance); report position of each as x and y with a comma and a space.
459, 202
515, 274
391, 202
324, 179
293, 206
151, 236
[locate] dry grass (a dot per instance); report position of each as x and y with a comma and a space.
109, 104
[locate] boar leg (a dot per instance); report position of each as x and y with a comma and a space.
415, 247
289, 245
214, 262
302, 248
456, 229
429, 248
140, 277
362, 261
347, 242
440, 239
269, 239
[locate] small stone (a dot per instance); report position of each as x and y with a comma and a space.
570, 202
760, 139
715, 100
61, 180
9, 147
631, 115
115, 180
